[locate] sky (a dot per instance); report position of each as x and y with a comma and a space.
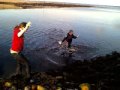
97, 2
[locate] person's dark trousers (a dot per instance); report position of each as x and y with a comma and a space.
21, 63
69, 44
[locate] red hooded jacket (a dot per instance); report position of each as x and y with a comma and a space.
17, 42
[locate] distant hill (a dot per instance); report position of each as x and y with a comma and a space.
6, 4
12, 0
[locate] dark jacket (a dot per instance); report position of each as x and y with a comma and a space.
69, 38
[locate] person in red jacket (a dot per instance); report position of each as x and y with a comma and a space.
17, 48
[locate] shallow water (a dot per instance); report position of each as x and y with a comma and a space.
98, 31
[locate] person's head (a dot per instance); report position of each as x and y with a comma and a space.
71, 32
22, 25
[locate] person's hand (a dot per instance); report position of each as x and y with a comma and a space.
28, 24
60, 42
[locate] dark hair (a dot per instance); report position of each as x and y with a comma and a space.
23, 24
70, 31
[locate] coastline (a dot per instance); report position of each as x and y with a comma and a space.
35, 4
99, 73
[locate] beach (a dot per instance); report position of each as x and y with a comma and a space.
94, 63
101, 73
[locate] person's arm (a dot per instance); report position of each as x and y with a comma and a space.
24, 30
75, 36
21, 33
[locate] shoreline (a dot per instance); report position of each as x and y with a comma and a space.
101, 72
22, 4
40, 4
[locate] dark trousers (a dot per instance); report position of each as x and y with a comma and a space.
69, 44
22, 64
68, 41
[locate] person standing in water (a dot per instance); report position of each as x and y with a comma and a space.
17, 48
67, 41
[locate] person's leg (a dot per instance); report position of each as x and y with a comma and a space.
64, 39
65, 44
69, 44
18, 68
26, 64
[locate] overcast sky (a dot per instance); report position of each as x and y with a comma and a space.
99, 2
